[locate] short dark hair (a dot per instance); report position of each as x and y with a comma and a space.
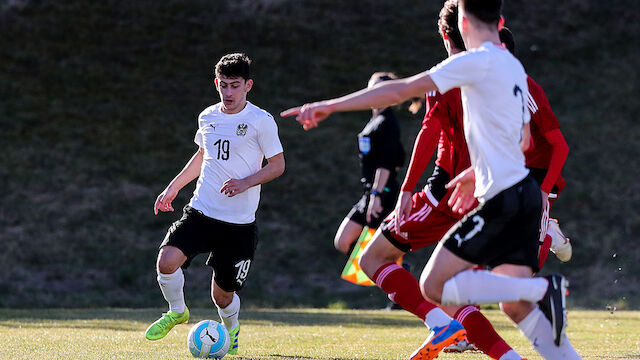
506, 37
448, 23
234, 65
487, 11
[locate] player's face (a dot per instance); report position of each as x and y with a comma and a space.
233, 93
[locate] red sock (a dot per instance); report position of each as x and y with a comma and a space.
481, 333
403, 289
544, 250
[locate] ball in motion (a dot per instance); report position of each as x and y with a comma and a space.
208, 339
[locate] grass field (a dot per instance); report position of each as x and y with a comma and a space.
283, 334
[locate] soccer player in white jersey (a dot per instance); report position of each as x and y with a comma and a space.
503, 231
233, 138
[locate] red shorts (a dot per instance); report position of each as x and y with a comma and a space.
425, 225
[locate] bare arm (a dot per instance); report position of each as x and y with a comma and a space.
525, 143
375, 203
383, 94
273, 169
190, 171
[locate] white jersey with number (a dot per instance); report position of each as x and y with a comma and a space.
494, 91
234, 147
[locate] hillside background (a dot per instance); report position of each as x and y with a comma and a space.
98, 107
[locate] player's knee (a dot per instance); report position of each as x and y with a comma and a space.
366, 263
430, 290
221, 299
166, 266
516, 311
341, 243
169, 260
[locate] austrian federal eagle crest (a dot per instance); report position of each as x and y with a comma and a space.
242, 129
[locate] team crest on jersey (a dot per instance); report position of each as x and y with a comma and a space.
242, 129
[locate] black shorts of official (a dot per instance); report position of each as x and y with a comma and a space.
503, 230
388, 197
231, 247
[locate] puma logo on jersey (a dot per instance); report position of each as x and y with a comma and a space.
213, 126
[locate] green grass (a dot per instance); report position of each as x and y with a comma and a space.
283, 334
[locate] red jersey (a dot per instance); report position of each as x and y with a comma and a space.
442, 128
550, 150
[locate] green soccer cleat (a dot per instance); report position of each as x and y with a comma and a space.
233, 336
161, 327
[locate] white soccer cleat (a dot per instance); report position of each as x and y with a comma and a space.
461, 346
560, 244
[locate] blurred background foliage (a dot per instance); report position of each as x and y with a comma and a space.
98, 107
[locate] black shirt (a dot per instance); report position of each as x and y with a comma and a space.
380, 147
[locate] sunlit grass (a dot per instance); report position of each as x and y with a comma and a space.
278, 334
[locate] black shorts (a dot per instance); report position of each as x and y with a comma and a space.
503, 230
231, 247
389, 196
539, 175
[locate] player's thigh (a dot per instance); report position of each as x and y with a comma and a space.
232, 255
379, 251
347, 234
442, 266
184, 240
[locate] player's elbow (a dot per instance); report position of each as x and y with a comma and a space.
279, 167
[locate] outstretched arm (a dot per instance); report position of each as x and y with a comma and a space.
383, 94
190, 171
273, 169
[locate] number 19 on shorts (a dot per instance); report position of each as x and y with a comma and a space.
243, 270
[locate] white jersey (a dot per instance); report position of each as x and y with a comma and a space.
234, 147
494, 91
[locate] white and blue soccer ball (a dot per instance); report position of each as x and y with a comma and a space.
208, 339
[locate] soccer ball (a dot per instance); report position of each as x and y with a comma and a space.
208, 339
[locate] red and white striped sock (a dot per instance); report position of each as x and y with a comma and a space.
481, 333
403, 289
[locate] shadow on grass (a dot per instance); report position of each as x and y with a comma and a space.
109, 318
290, 357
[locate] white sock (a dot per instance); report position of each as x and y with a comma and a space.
229, 315
172, 286
484, 287
537, 328
510, 355
436, 317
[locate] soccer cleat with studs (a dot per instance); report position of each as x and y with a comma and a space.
439, 338
560, 244
460, 347
553, 305
233, 336
161, 327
